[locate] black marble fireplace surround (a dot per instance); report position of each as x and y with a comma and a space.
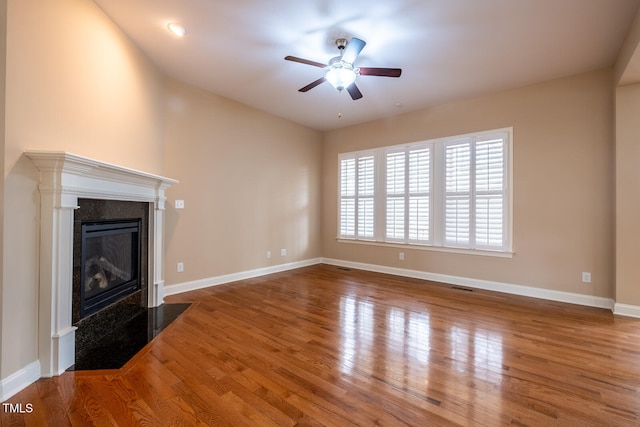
98, 325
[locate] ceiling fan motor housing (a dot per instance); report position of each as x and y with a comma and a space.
341, 43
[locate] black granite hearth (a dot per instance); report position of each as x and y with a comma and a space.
117, 348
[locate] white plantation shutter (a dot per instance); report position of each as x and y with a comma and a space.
419, 219
347, 197
408, 195
347, 218
366, 187
357, 196
396, 175
490, 193
457, 226
451, 192
475, 173
419, 195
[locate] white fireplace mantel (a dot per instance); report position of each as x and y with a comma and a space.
64, 178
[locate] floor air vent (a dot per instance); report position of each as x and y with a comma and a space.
461, 288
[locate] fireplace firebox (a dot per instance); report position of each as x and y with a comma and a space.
110, 263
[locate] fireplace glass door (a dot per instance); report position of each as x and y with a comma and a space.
110, 263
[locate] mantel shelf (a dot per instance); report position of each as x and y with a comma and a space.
69, 163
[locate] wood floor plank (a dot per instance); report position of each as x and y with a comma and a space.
327, 346
51, 399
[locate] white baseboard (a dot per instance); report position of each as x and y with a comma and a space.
234, 277
528, 291
19, 380
560, 296
626, 310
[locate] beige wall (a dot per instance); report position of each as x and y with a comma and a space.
628, 195
251, 184
74, 83
562, 181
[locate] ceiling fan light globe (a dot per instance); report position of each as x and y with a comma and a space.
176, 29
341, 78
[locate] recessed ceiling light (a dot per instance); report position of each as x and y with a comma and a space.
176, 29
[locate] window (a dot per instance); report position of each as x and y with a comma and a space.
475, 193
446, 193
357, 196
408, 194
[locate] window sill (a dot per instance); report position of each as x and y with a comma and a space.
478, 252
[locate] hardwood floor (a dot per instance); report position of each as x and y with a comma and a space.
327, 346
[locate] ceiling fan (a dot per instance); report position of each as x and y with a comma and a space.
340, 71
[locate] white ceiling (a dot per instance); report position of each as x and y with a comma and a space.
448, 49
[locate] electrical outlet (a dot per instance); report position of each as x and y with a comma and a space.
268, 254
283, 252
179, 204
401, 256
586, 277
180, 267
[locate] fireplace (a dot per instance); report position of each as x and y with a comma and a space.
65, 179
110, 263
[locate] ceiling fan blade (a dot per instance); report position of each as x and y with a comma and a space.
304, 61
383, 72
353, 49
354, 91
312, 85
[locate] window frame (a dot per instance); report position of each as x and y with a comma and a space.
437, 196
